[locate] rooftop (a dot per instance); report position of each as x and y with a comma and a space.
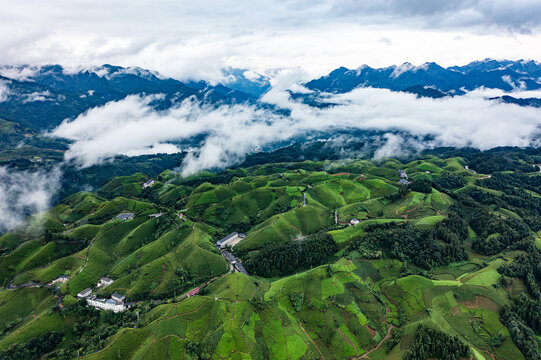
124, 216
228, 237
85, 292
241, 268
116, 295
229, 256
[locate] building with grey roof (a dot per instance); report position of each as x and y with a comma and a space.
118, 297
148, 184
125, 216
240, 268
232, 239
104, 281
85, 293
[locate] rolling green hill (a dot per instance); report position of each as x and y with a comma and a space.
454, 252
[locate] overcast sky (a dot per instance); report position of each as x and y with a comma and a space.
196, 38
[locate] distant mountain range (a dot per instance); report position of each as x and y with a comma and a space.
40, 98
504, 75
432, 80
45, 96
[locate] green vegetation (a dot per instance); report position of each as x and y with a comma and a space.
447, 267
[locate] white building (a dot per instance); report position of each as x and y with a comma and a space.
402, 174
148, 184
106, 304
60, 280
354, 221
85, 293
104, 282
232, 239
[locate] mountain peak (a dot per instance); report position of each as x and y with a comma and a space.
488, 73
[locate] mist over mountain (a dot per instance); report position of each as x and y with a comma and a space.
93, 114
89, 116
41, 97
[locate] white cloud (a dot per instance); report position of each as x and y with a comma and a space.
37, 96
517, 15
133, 126
25, 192
489, 93
4, 91
21, 73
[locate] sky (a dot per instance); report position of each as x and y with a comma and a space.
195, 39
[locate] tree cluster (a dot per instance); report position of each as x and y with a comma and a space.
523, 336
426, 248
495, 233
434, 344
288, 258
34, 348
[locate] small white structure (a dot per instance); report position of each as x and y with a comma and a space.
104, 282
404, 182
148, 184
84, 294
427, 172
354, 221
60, 280
106, 304
232, 239
402, 174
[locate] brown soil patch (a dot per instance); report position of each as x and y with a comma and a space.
455, 311
481, 302
341, 174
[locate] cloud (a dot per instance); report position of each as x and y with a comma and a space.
483, 92
4, 91
220, 137
21, 73
25, 192
396, 146
37, 96
517, 15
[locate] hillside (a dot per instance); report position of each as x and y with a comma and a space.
345, 261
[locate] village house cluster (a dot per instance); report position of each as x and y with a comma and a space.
60, 280
403, 178
117, 302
